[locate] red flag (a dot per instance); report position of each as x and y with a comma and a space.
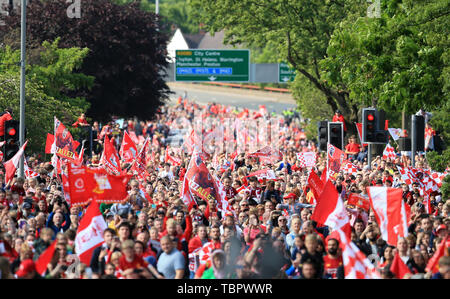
89, 183
390, 212
64, 145
128, 150
335, 158
315, 184
110, 159
45, 258
330, 209
433, 263
359, 201
171, 159
262, 174
29, 173
359, 128
323, 176
11, 164
90, 233
399, 268
49, 143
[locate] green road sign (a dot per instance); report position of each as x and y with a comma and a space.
285, 73
212, 65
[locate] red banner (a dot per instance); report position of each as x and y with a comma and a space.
64, 146
110, 159
315, 184
87, 183
359, 201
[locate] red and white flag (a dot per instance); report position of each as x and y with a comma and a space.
12, 164
356, 264
395, 133
128, 150
389, 152
110, 159
263, 174
307, 159
390, 212
359, 129
330, 209
206, 251
175, 161
349, 167
90, 233
29, 173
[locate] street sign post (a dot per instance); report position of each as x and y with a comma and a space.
212, 65
285, 73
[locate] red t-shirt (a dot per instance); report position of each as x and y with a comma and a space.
137, 263
353, 147
331, 265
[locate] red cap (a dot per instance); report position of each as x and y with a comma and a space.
26, 267
290, 195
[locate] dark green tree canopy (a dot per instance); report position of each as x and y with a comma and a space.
127, 53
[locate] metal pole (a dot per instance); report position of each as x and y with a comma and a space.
369, 155
157, 7
23, 29
413, 142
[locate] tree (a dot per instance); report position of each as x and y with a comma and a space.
127, 53
301, 29
395, 62
51, 74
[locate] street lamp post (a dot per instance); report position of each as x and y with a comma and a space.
23, 29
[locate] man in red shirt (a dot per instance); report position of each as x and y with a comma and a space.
338, 117
333, 260
131, 264
352, 148
5, 117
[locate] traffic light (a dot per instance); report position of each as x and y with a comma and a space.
323, 135
336, 134
11, 139
373, 126
418, 132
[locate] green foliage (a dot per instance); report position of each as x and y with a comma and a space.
394, 62
39, 109
174, 13
312, 105
439, 162
47, 80
440, 121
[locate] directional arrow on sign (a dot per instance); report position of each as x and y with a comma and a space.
212, 78
285, 79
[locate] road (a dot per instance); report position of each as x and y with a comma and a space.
235, 97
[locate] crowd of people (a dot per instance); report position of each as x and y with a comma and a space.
268, 233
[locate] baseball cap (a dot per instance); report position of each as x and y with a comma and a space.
26, 267
27, 205
290, 195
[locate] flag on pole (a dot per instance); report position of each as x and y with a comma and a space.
307, 159
12, 164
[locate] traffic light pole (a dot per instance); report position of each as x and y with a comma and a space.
22, 82
369, 155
